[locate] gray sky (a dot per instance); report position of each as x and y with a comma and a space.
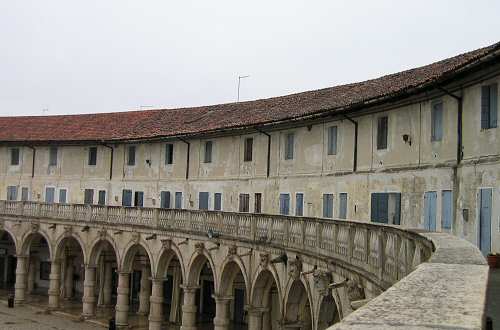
114, 55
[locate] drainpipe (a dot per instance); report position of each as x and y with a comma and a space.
111, 160
268, 149
187, 157
355, 156
33, 163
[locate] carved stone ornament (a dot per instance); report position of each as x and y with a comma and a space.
355, 291
295, 268
136, 237
321, 281
232, 251
264, 260
68, 230
102, 233
35, 227
199, 247
166, 243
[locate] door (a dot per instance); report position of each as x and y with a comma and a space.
49, 194
485, 220
430, 198
139, 199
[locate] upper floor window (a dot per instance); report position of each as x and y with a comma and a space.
63, 194
93, 156
25, 194
382, 131
53, 156
258, 203
169, 154
343, 205
165, 199
101, 198
178, 200
248, 149
50, 193
437, 121
88, 197
327, 205
244, 203
332, 140
203, 202
299, 204
489, 106
131, 155
284, 204
289, 145
127, 197
12, 193
218, 201
208, 152
14, 156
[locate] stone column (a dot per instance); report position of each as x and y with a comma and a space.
255, 318
31, 275
176, 294
156, 308
189, 308
20, 286
122, 300
68, 279
54, 284
107, 289
221, 320
89, 299
145, 291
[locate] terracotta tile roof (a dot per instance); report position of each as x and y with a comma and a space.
198, 120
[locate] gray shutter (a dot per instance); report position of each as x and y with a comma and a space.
203, 203
178, 200
446, 209
332, 140
343, 205
485, 107
101, 197
374, 207
165, 199
217, 201
299, 204
127, 197
493, 105
397, 211
383, 208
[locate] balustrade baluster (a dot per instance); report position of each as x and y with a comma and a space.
381, 252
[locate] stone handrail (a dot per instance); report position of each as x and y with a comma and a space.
382, 253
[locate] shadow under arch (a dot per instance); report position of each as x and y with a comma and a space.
230, 269
266, 295
28, 238
96, 248
63, 240
11, 236
195, 267
298, 304
131, 251
165, 257
328, 313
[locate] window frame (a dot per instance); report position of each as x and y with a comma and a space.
169, 154
248, 149
487, 108
244, 203
99, 196
382, 140
131, 157
204, 193
12, 150
257, 203
326, 213
92, 156
332, 148
61, 189
85, 196
54, 189
53, 156
437, 130
282, 206
176, 205
289, 150
218, 201
208, 152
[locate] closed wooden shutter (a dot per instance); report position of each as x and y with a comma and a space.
126, 197
332, 140
248, 150
299, 204
437, 121
284, 204
328, 205
258, 203
218, 202
203, 203
178, 200
165, 199
343, 205
382, 131
485, 107
102, 197
493, 105
88, 196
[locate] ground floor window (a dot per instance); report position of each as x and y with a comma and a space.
386, 208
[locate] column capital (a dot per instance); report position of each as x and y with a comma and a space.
252, 310
190, 288
222, 299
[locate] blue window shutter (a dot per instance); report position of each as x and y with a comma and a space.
165, 199
374, 208
446, 209
397, 211
218, 202
178, 200
485, 107
203, 203
493, 105
299, 204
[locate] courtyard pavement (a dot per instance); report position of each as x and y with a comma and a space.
493, 298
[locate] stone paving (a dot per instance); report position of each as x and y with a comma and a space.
493, 298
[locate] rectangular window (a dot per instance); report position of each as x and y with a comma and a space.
139, 199
382, 130
12, 193
284, 204
93, 156
25, 194
299, 204
169, 154
88, 197
446, 209
248, 149
218, 202
289, 145
50, 195
244, 203
14, 156
343, 205
203, 202
257, 203
437, 121
208, 152
127, 197
131, 155
332, 140
165, 199
327, 205
53, 156
101, 197
489, 106
62, 196
386, 208
178, 200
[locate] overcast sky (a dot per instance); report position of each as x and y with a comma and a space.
114, 55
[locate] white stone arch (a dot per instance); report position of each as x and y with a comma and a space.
294, 295
58, 247
27, 239
226, 278
165, 256
96, 249
131, 250
198, 259
257, 291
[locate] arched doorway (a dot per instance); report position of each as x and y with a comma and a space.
298, 309
265, 311
134, 288
8, 262
233, 289
328, 313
